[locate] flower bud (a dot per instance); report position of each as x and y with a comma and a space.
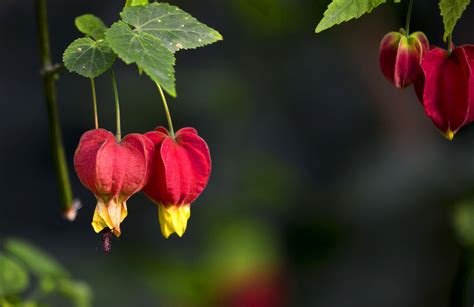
180, 172
400, 57
446, 88
113, 171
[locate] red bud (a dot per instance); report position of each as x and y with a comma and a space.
400, 57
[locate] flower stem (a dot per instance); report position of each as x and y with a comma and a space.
117, 106
49, 76
167, 111
407, 25
94, 103
450, 43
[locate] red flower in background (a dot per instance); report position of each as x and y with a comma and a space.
259, 290
180, 172
400, 57
113, 171
446, 88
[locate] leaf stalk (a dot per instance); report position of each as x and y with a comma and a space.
167, 111
407, 25
94, 104
117, 106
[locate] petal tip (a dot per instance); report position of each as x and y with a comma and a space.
173, 219
449, 135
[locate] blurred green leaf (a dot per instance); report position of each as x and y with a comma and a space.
40, 263
88, 58
13, 277
136, 2
263, 6
47, 284
9, 301
78, 292
270, 19
339, 11
30, 304
240, 248
175, 28
91, 25
146, 51
463, 222
451, 11
163, 278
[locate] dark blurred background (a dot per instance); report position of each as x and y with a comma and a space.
329, 187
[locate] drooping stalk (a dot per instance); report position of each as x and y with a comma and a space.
94, 104
450, 42
167, 111
407, 25
49, 75
117, 106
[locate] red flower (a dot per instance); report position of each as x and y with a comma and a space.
400, 57
446, 88
180, 172
113, 172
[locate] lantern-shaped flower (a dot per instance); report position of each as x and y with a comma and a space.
180, 172
446, 88
401, 55
113, 171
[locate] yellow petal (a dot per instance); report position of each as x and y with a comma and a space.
109, 215
173, 219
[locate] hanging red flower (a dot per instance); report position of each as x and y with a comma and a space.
446, 88
113, 171
180, 172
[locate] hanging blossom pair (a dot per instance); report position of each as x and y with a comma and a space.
443, 79
172, 170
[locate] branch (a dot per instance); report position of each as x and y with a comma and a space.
49, 72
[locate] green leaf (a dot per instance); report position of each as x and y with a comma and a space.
339, 11
463, 221
78, 292
91, 25
174, 27
41, 264
136, 2
146, 51
13, 278
88, 58
451, 11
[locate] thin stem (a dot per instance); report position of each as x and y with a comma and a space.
450, 43
49, 75
94, 104
167, 111
117, 106
407, 25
